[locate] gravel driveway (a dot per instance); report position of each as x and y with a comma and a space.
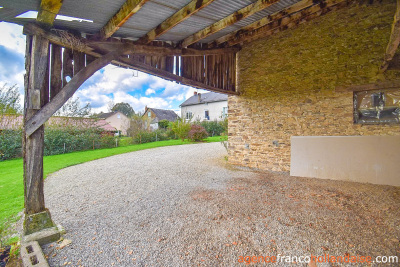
184, 206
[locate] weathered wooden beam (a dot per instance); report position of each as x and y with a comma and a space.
38, 68
89, 46
168, 75
287, 22
183, 14
49, 109
128, 9
36, 64
48, 11
225, 22
394, 39
56, 70
264, 21
394, 84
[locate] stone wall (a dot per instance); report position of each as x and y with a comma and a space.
287, 84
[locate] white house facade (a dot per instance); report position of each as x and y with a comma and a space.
209, 106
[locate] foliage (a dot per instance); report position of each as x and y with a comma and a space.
69, 139
9, 100
214, 128
145, 136
124, 108
10, 144
137, 125
181, 128
72, 108
197, 133
163, 124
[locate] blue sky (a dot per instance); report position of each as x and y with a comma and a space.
109, 85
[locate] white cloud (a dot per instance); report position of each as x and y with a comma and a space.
150, 91
12, 37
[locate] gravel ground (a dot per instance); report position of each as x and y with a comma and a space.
185, 206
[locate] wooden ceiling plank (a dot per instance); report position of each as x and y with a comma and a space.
227, 21
48, 11
128, 9
264, 21
183, 14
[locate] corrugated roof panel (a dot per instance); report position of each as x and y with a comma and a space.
100, 11
176, 4
149, 16
219, 34
220, 9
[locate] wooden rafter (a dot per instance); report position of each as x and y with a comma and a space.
183, 14
48, 11
128, 9
288, 21
394, 39
229, 20
264, 21
90, 46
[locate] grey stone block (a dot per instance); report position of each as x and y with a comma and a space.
32, 255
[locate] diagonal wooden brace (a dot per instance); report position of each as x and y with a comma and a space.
59, 100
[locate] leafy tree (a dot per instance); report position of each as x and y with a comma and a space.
137, 125
72, 108
9, 100
163, 124
124, 108
181, 128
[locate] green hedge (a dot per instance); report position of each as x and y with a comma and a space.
56, 141
159, 135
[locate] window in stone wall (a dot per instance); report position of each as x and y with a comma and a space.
377, 107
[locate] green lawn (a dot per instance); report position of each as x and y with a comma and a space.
11, 180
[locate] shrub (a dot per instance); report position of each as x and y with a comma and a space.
181, 128
197, 133
10, 144
214, 128
163, 124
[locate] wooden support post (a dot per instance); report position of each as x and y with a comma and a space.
37, 217
394, 39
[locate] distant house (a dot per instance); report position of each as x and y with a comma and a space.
117, 120
155, 115
209, 106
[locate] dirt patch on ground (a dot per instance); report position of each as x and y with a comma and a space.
278, 214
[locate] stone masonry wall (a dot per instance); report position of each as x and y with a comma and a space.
287, 84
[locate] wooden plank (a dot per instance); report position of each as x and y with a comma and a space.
227, 21
49, 109
264, 21
290, 21
56, 70
68, 67
393, 84
48, 11
128, 9
38, 69
183, 14
394, 39
169, 76
79, 61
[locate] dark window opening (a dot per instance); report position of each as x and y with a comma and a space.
207, 115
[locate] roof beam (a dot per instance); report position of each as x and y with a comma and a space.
90, 46
394, 39
48, 11
128, 9
229, 20
264, 21
289, 21
183, 14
